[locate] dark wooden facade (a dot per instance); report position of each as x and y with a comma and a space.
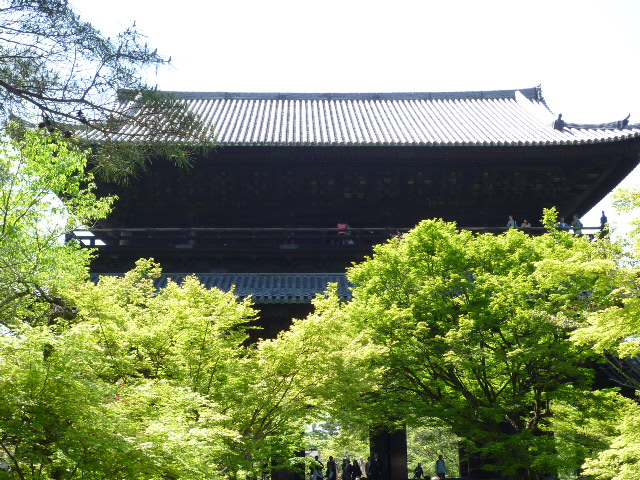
274, 196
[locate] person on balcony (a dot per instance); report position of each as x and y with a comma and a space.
562, 224
344, 233
576, 224
604, 225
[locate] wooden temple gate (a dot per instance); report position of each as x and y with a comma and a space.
261, 210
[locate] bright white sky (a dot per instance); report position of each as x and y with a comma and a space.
584, 53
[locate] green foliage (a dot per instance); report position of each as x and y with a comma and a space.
616, 328
332, 440
627, 200
160, 380
44, 193
98, 389
44, 377
194, 338
621, 460
613, 332
474, 330
583, 424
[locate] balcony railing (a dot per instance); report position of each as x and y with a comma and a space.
270, 238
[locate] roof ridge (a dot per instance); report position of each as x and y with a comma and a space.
532, 93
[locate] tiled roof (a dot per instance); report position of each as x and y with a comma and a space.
264, 287
481, 118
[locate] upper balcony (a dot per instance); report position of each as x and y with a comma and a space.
255, 240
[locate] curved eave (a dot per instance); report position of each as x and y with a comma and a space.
487, 144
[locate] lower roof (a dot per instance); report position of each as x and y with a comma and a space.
263, 287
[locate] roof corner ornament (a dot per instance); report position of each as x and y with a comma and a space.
539, 93
623, 123
558, 123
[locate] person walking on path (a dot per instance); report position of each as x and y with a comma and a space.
316, 469
356, 472
441, 468
346, 469
418, 473
332, 469
376, 468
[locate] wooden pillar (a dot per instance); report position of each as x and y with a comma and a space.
472, 466
463, 461
392, 452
